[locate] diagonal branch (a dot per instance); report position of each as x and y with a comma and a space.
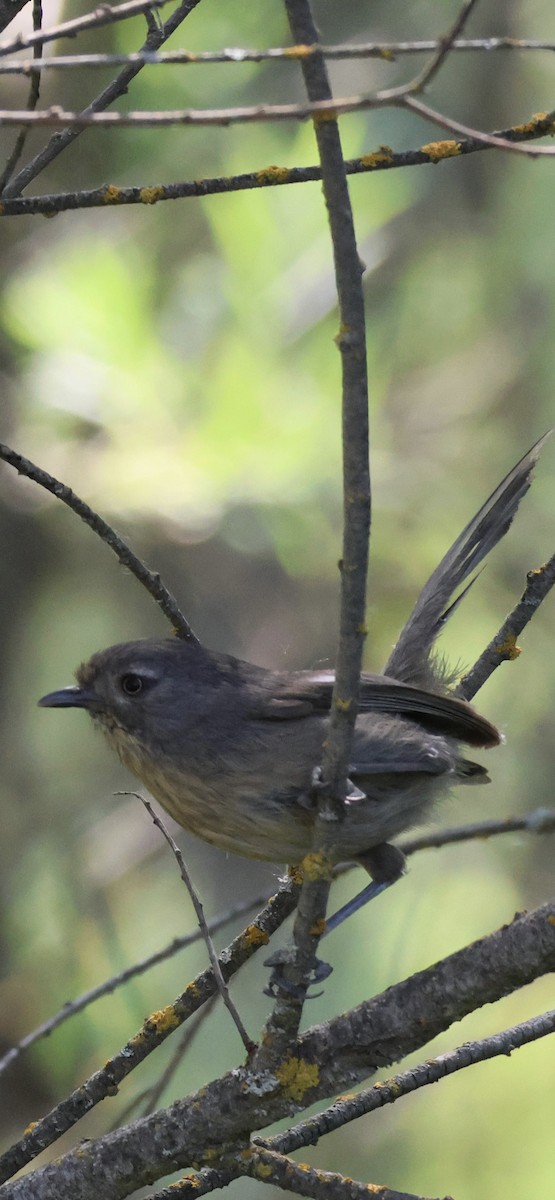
127, 558
202, 923
157, 35
156, 1028
327, 1057
503, 647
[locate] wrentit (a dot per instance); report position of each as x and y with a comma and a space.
229, 749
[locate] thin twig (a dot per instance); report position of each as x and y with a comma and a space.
503, 647
343, 1111
105, 14
154, 1031
152, 582
116, 981
280, 1171
383, 159
202, 922
444, 47
488, 139
387, 51
542, 820
32, 101
156, 36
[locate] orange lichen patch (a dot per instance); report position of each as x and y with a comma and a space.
509, 648
377, 158
262, 1169
550, 921
192, 1180
297, 1076
273, 175
32, 1125
112, 194
318, 929
255, 936
436, 151
164, 1019
299, 51
150, 195
317, 866
531, 126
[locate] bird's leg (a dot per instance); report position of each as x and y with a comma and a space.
386, 864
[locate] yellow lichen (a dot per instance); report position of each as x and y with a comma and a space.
317, 866
297, 1076
299, 51
377, 158
255, 936
318, 929
273, 175
150, 195
436, 151
263, 1170
343, 705
509, 648
164, 1019
112, 194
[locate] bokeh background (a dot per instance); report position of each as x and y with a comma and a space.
176, 365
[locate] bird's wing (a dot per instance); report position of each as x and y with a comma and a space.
308, 693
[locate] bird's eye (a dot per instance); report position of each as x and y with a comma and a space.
131, 684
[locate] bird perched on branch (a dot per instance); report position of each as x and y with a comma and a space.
230, 749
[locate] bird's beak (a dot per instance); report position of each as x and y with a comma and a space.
69, 697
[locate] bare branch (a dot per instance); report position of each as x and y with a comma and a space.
152, 582
116, 981
340, 1053
105, 14
282, 1172
383, 159
503, 647
542, 820
32, 101
156, 36
343, 1111
444, 47
488, 139
189, 1035
388, 51
295, 971
157, 1027
202, 922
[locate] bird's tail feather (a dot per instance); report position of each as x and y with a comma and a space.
410, 659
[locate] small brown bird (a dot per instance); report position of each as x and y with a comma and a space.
230, 749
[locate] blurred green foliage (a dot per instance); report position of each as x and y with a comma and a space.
176, 365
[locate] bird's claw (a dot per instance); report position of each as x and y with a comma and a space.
277, 981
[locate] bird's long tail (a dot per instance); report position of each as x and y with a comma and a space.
410, 659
